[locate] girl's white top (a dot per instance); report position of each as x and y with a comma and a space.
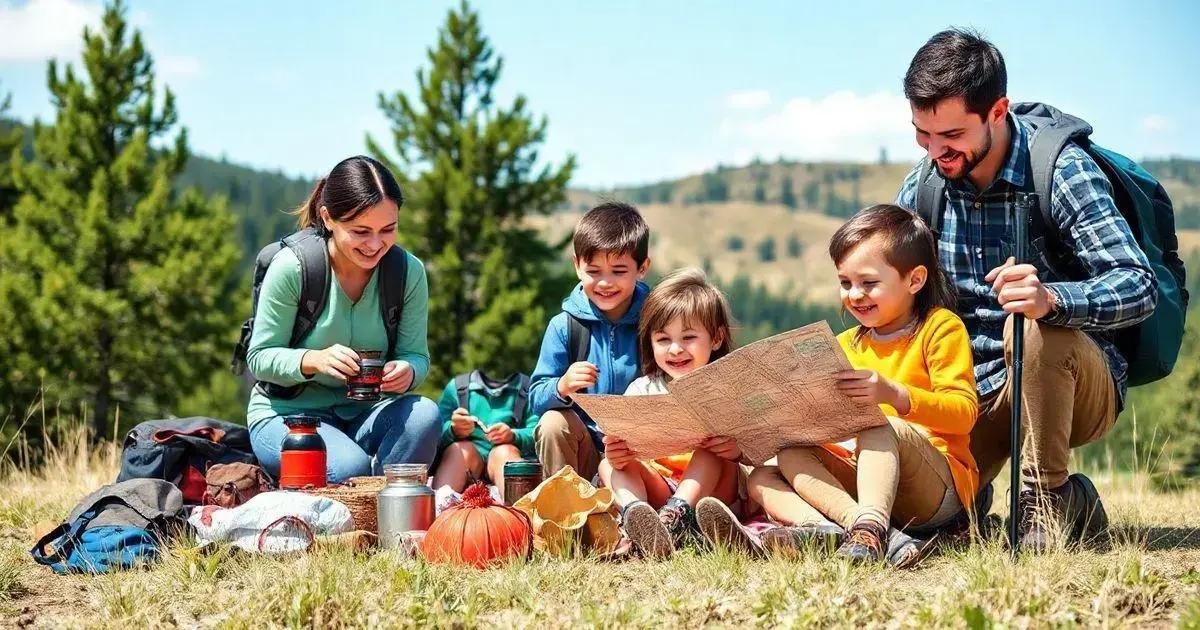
646, 386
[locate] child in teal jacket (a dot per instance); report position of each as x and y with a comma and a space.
467, 449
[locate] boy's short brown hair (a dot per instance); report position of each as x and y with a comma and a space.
613, 227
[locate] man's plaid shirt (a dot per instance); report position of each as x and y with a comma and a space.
977, 236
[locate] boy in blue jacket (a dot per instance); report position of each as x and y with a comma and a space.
611, 245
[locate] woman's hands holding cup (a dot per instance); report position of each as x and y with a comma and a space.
397, 377
336, 361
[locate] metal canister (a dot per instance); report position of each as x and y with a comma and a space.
520, 478
405, 505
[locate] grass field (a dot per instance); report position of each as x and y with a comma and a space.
1149, 576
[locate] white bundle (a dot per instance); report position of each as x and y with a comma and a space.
272, 522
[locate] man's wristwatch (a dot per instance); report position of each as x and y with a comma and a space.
1052, 298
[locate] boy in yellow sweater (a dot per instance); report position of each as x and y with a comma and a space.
912, 358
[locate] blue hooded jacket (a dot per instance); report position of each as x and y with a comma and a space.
613, 350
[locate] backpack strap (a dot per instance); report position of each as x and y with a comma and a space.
310, 247
462, 387
393, 284
261, 262
522, 399
579, 339
312, 251
1054, 131
69, 533
931, 196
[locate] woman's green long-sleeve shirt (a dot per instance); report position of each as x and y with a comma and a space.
356, 325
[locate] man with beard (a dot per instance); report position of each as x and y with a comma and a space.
1074, 378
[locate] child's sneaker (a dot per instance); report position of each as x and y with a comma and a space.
720, 527
865, 543
795, 540
680, 520
646, 531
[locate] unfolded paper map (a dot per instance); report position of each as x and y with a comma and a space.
773, 394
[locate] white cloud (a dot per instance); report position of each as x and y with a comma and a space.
750, 99
173, 68
40, 29
1157, 123
838, 126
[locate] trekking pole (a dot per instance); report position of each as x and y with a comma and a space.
1025, 201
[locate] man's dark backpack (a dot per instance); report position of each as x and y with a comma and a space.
181, 450
462, 389
311, 250
1152, 346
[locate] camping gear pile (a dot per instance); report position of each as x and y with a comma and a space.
188, 476
198, 477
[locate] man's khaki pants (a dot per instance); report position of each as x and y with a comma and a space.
1068, 399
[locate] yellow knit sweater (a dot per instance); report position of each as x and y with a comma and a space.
935, 365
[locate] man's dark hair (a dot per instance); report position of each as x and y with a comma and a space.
956, 62
613, 227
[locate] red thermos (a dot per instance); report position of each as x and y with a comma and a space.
302, 458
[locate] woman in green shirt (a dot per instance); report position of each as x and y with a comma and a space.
355, 209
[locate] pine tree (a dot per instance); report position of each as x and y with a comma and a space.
117, 291
476, 176
787, 196
10, 141
794, 246
760, 183
766, 249
716, 190
812, 195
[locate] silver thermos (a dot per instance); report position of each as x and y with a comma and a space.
404, 506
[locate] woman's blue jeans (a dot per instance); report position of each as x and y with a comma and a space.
403, 430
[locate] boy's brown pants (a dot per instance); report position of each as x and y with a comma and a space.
1068, 399
561, 440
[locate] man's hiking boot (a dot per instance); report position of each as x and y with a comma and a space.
721, 528
797, 540
865, 544
648, 534
1071, 512
679, 519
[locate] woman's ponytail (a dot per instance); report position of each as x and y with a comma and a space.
309, 213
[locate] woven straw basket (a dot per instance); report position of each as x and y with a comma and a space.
359, 494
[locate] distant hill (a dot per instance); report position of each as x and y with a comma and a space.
772, 222
840, 189
780, 249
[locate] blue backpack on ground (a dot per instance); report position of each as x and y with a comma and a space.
116, 527
1152, 346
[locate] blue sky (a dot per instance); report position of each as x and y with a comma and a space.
638, 91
